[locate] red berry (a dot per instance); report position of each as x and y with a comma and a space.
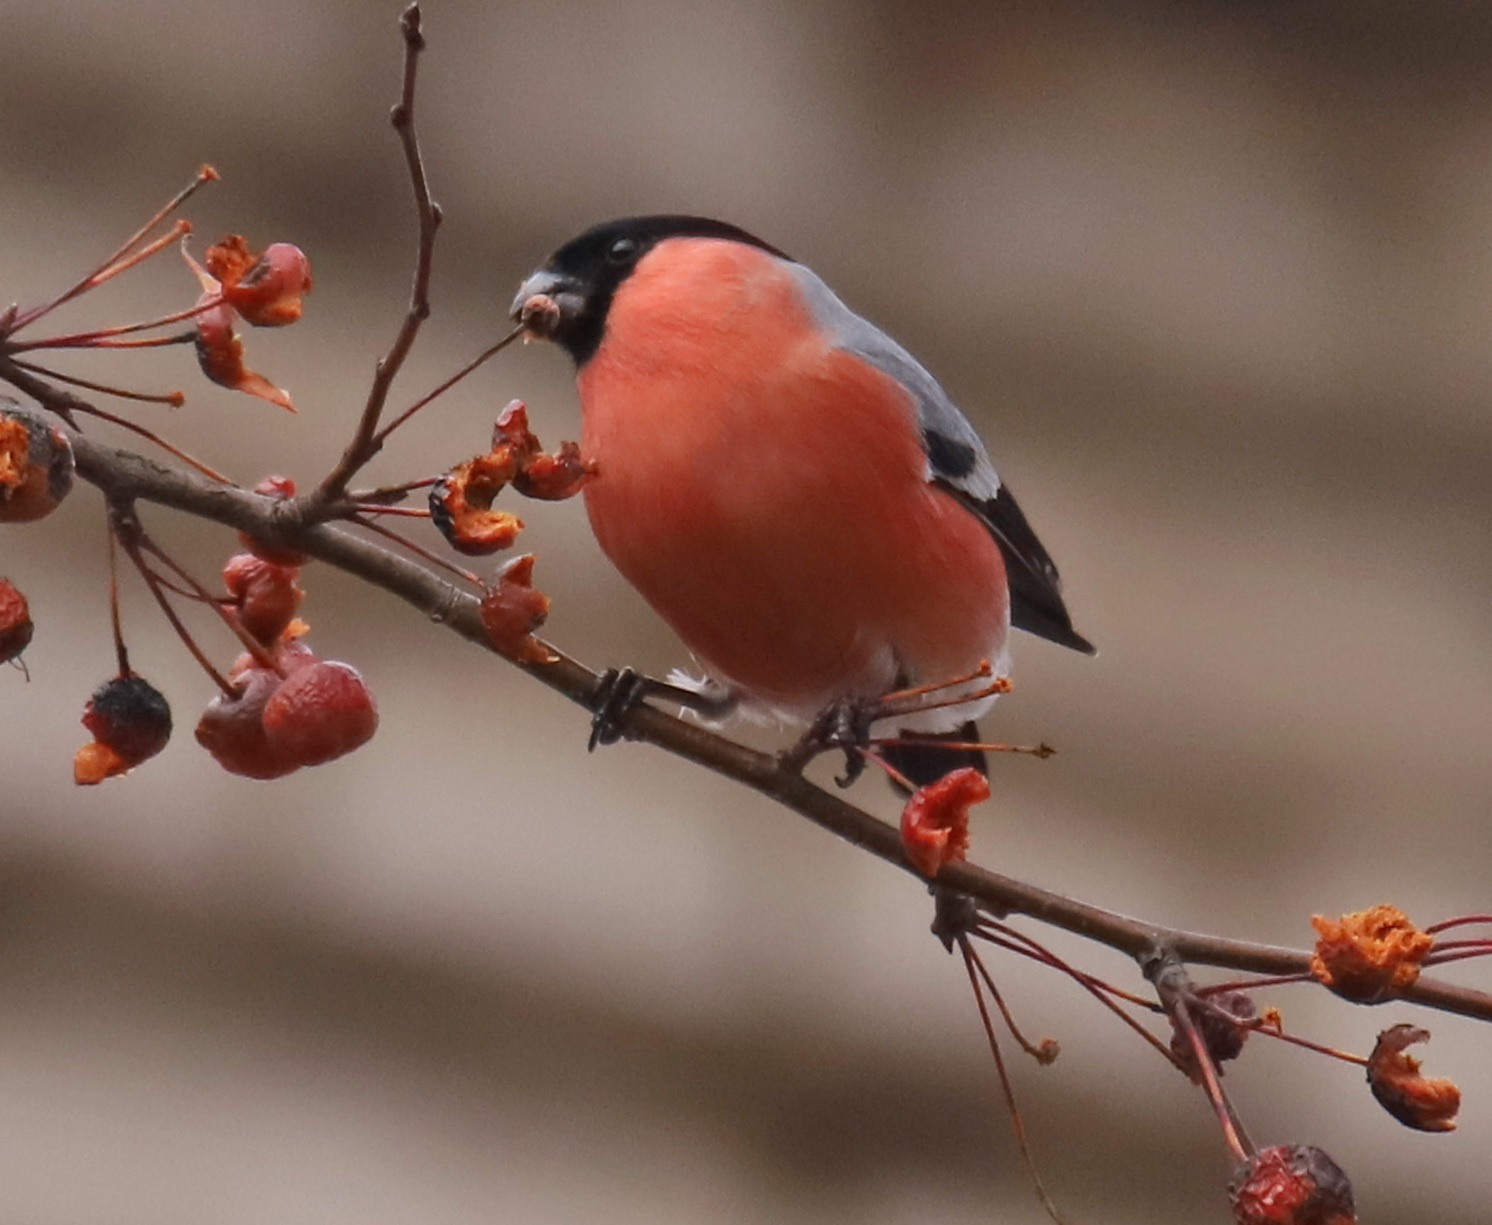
36, 468
15, 622
1291, 1185
319, 713
266, 291
512, 609
232, 729
1222, 1039
461, 504
935, 821
265, 593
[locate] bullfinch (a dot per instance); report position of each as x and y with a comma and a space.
787, 486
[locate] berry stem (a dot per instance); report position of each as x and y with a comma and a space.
419, 550
1017, 1124
378, 439
1459, 921
262, 656
122, 260
121, 652
126, 424
174, 399
131, 537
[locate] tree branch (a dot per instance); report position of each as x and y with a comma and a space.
124, 475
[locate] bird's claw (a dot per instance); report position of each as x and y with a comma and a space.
619, 690
845, 725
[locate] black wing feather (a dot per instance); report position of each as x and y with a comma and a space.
1035, 587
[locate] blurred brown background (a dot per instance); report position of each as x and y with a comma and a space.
1216, 282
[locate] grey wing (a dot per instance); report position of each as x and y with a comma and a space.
958, 462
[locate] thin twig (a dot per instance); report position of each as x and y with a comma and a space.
100, 338
385, 495
375, 508
1458, 921
1261, 1026
1099, 990
365, 443
1043, 1052
1253, 984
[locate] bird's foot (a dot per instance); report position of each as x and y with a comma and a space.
621, 689
844, 725
617, 692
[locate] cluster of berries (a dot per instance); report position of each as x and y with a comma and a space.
263, 290
289, 708
461, 509
36, 473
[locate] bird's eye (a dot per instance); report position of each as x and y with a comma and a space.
622, 251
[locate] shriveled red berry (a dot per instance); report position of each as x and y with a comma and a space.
512, 609
935, 821
1425, 1103
1223, 1039
553, 478
1369, 956
130, 722
268, 292
1291, 1185
265, 594
320, 713
15, 622
540, 474
461, 504
232, 729
290, 655
36, 467
265, 289
220, 354
511, 430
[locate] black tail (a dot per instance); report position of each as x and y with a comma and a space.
925, 757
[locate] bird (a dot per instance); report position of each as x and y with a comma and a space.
790, 489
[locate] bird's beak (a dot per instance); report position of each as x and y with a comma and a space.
546, 302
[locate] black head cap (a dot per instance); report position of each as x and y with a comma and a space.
582, 276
